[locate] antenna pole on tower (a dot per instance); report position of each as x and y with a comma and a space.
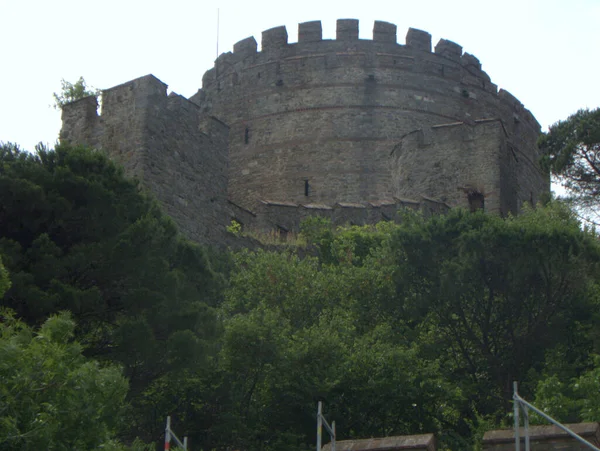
217, 56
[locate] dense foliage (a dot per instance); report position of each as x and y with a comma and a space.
52, 397
572, 152
398, 328
76, 235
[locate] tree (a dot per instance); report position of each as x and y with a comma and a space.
573, 400
52, 396
71, 92
493, 296
571, 151
76, 235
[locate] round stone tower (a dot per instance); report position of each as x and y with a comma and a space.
351, 120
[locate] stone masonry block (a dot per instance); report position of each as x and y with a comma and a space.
418, 39
310, 31
406, 442
245, 47
448, 49
274, 38
384, 32
347, 30
469, 60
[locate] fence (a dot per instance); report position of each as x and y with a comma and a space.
524, 406
322, 421
170, 435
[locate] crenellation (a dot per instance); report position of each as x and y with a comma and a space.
245, 47
469, 61
209, 78
80, 120
224, 62
449, 49
346, 30
384, 32
310, 32
490, 87
418, 40
274, 39
510, 99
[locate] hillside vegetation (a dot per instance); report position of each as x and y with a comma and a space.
398, 328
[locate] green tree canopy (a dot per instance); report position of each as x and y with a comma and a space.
498, 294
52, 396
76, 235
572, 152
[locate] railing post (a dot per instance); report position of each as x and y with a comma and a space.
516, 416
319, 424
168, 434
334, 435
526, 428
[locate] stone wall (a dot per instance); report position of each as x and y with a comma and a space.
287, 216
468, 166
177, 153
316, 121
403, 442
547, 438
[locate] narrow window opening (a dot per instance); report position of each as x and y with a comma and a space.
306, 188
246, 135
282, 233
476, 201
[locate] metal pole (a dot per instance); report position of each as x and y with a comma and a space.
333, 436
553, 421
319, 424
168, 434
185, 443
526, 424
516, 417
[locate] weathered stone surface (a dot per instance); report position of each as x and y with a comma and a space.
321, 122
404, 442
548, 438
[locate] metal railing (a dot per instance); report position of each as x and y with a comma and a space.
525, 407
170, 435
321, 421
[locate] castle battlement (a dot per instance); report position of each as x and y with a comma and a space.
341, 127
382, 60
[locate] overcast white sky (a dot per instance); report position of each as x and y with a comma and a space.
545, 52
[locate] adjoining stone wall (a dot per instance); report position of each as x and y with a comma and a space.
287, 216
328, 113
457, 163
402, 442
547, 438
179, 154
